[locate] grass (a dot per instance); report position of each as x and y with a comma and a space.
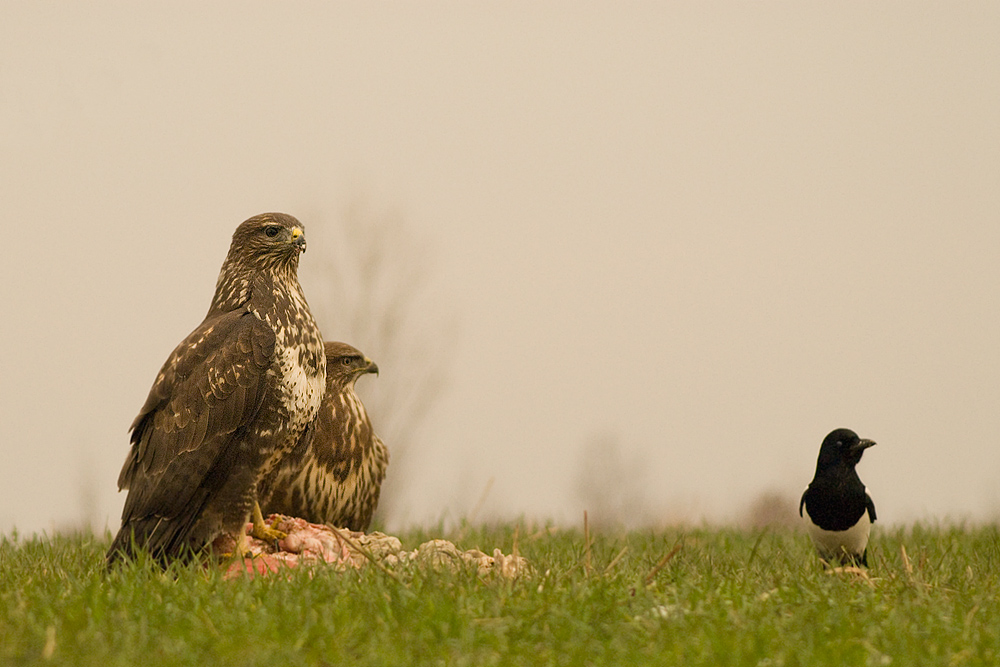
672, 597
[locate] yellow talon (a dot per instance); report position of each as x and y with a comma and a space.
261, 530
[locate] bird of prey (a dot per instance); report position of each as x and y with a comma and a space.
229, 401
839, 513
335, 472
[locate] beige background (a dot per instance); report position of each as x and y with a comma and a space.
706, 233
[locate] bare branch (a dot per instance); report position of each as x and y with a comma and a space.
374, 294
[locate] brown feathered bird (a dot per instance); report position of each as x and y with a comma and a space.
335, 472
229, 401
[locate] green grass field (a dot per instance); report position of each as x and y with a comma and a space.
725, 597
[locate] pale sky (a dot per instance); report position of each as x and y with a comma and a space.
711, 231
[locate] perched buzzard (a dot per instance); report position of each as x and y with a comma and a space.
336, 470
233, 397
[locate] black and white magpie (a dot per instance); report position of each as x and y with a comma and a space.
838, 511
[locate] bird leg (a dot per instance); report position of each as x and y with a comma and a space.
242, 548
261, 530
232, 546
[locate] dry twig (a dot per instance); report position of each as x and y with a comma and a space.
663, 562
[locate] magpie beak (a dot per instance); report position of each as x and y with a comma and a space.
861, 446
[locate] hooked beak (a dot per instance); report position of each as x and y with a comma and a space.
299, 238
372, 367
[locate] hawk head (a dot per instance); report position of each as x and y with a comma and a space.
268, 240
345, 364
268, 245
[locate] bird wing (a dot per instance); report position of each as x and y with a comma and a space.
211, 386
870, 506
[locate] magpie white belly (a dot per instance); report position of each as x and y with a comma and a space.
834, 543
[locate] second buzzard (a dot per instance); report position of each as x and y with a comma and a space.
335, 472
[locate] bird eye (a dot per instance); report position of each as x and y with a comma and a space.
272, 230
346, 361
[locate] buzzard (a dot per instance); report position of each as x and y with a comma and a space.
231, 399
335, 472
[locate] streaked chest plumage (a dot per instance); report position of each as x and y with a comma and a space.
298, 374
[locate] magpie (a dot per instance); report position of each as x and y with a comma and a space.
838, 511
